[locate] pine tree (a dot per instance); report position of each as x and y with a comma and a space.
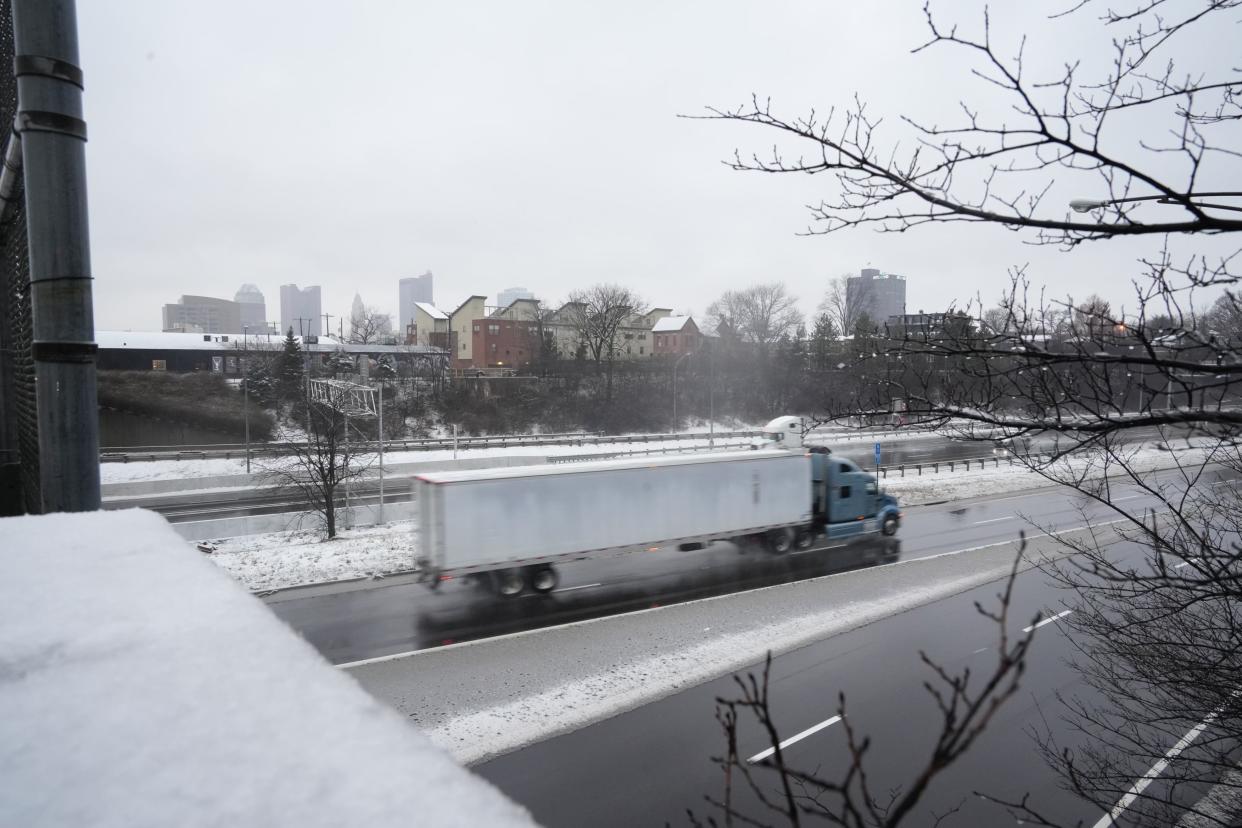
290, 373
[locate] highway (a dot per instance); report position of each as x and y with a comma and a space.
190, 505
374, 618
648, 766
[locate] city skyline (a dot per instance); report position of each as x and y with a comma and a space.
614, 188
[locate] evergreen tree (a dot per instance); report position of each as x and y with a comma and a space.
290, 373
823, 339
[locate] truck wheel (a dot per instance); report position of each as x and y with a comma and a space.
509, 582
889, 526
779, 541
804, 539
543, 579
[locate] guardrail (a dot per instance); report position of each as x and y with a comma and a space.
235, 450
585, 458
961, 463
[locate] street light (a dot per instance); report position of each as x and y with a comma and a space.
1086, 205
246, 391
675, 364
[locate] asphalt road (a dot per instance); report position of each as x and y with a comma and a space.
400, 615
649, 766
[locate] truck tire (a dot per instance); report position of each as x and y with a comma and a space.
508, 582
779, 541
804, 539
542, 579
889, 526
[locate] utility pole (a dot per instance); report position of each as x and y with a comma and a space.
53, 135
326, 325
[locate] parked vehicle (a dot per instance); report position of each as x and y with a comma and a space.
510, 527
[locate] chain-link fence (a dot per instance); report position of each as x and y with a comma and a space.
19, 436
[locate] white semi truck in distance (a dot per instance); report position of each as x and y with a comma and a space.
509, 528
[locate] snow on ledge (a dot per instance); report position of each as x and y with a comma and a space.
140, 686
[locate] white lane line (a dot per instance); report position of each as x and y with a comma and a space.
1225, 483
1180, 565
1127, 497
980, 650
994, 520
572, 588
810, 731
1056, 617
1154, 772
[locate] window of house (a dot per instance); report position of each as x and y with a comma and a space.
476, 328
629, 336
493, 329
493, 347
159, 365
640, 350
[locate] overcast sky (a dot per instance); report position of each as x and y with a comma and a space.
520, 143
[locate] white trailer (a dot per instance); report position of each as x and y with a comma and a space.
516, 522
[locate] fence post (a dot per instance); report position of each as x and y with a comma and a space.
53, 135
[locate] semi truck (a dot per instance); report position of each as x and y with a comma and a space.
509, 528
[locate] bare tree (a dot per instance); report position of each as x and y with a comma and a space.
318, 467
1065, 125
368, 327
598, 314
760, 314
1159, 639
849, 798
844, 306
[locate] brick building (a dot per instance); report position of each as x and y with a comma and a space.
674, 336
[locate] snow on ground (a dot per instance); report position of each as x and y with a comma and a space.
140, 687
913, 490
284, 559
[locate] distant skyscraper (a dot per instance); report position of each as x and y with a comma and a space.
510, 295
203, 314
414, 289
878, 295
253, 309
301, 310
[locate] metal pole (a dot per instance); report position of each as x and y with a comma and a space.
246, 409
381, 450
675, 364
454, 441
711, 400
49, 119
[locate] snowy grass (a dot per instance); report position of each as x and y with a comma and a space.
913, 490
283, 559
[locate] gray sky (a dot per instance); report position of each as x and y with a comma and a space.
532, 143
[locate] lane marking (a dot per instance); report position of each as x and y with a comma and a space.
1155, 770
1180, 565
810, 731
980, 650
1056, 617
994, 520
572, 588
1127, 497
1225, 483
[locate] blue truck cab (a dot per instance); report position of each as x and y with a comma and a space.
847, 501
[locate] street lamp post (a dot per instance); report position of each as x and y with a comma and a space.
675, 364
245, 366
